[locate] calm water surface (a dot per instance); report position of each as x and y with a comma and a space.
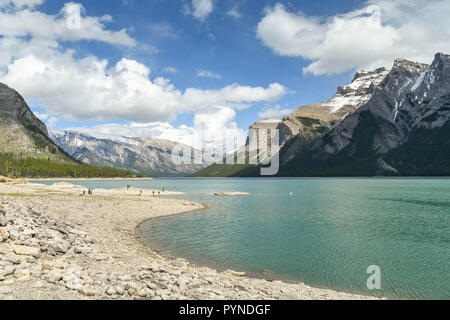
325, 235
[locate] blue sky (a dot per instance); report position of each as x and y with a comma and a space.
222, 44
242, 43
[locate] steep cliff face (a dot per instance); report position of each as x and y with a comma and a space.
347, 99
386, 122
385, 104
309, 122
150, 157
410, 103
22, 132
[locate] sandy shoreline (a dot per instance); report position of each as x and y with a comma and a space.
98, 254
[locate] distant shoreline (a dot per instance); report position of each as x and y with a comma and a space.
84, 179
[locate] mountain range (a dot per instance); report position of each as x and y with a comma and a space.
26, 149
145, 156
386, 122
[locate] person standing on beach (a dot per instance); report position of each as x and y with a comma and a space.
140, 193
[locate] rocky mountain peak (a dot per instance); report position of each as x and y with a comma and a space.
347, 99
441, 63
370, 74
14, 110
408, 66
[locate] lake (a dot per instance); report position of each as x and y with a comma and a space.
325, 234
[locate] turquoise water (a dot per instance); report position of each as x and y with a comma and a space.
325, 235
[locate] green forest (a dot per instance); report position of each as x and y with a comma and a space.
12, 165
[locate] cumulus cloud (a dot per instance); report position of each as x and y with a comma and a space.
208, 74
235, 96
209, 130
275, 112
33, 62
371, 36
23, 23
87, 89
201, 9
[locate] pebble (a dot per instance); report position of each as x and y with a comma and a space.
53, 276
27, 251
3, 221
87, 291
111, 291
5, 290
119, 290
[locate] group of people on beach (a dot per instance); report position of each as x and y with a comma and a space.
141, 191
89, 192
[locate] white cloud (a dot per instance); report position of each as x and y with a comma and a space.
201, 9
20, 3
170, 70
18, 23
369, 37
275, 112
164, 29
235, 96
208, 74
32, 62
87, 89
233, 12
209, 130
51, 122
41, 116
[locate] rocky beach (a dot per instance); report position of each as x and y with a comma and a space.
56, 243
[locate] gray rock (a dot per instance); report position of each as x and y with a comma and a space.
3, 221
86, 291
119, 290
12, 257
111, 291
7, 271
29, 232
236, 273
27, 251
53, 276
60, 246
150, 293
5, 248
14, 235
5, 290
141, 293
